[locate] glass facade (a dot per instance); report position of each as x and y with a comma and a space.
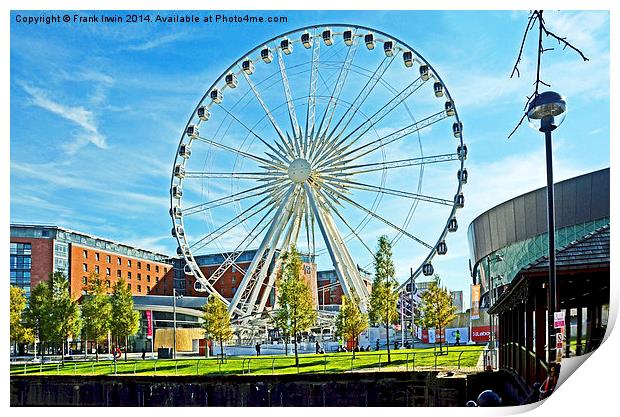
21, 264
504, 264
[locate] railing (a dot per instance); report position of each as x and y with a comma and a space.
422, 359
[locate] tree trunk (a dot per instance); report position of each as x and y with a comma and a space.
387, 337
62, 352
222, 349
286, 345
296, 355
440, 341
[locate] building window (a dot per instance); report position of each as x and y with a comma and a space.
129, 287
148, 278
96, 256
128, 263
118, 261
234, 280
156, 268
148, 267
85, 254
139, 277
156, 279
107, 272
139, 288
118, 273
96, 269
84, 267
84, 280
148, 289
139, 265
107, 283
129, 275
108, 258
234, 290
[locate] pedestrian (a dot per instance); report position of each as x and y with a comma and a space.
143, 353
377, 345
317, 347
258, 349
547, 387
457, 337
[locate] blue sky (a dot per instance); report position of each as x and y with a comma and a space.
97, 112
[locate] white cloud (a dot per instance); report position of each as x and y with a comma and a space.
82, 117
156, 42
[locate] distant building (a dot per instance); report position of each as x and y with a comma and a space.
457, 300
330, 291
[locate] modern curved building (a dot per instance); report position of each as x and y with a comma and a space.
509, 259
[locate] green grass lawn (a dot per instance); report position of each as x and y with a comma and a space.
266, 365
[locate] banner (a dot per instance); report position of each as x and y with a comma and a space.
431, 335
451, 335
475, 302
480, 333
149, 323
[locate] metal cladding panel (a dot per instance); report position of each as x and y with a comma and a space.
520, 223
509, 221
530, 213
541, 211
568, 204
584, 195
600, 196
578, 200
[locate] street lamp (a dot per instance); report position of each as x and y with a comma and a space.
546, 112
175, 296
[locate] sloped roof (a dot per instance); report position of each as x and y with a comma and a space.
592, 250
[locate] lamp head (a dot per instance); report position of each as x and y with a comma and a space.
547, 111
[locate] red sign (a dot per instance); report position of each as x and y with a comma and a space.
149, 323
481, 333
424, 336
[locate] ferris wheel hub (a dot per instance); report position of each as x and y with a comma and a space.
299, 170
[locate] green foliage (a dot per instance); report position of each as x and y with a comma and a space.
217, 321
19, 332
96, 310
436, 309
350, 321
125, 321
296, 312
384, 297
37, 315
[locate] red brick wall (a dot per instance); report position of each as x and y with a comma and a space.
42, 258
148, 278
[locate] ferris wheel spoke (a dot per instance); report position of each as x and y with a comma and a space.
274, 164
247, 214
376, 216
327, 197
385, 140
350, 113
311, 110
398, 193
372, 121
265, 109
287, 92
233, 175
258, 191
280, 152
348, 170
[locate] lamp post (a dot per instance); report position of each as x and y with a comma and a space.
174, 321
492, 298
546, 112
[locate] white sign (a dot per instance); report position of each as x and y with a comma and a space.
431, 335
451, 335
558, 319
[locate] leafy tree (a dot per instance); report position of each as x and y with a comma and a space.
96, 311
217, 321
37, 314
125, 321
350, 321
20, 333
64, 312
436, 309
383, 297
296, 311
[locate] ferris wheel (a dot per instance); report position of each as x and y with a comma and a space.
323, 137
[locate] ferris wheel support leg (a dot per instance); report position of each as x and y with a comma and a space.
234, 304
331, 245
273, 246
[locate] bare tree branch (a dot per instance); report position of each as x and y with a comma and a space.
537, 16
